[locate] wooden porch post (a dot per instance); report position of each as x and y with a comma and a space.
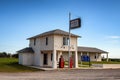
87, 53
107, 57
54, 59
76, 59
81, 58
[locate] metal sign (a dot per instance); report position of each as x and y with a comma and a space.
75, 23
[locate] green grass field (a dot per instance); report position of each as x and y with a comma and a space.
101, 62
11, 65
86, 64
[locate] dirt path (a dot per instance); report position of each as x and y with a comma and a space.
81, 74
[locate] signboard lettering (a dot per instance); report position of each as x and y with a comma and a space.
76, 23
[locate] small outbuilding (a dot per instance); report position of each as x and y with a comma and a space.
26, 56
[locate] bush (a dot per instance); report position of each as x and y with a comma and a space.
115, 60
7, 55
15, 55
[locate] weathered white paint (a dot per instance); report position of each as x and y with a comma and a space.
59, 53
20, 58
54, 62
55, 46
58, 43
26, 58
54, 42
41, 46
49, 59
76, 59
41, 59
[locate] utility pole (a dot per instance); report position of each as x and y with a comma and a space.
69, 40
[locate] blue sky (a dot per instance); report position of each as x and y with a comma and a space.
20, 19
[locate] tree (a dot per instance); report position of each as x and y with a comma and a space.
15, 55
3, 54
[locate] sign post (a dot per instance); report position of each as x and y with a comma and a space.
69, 41
73, 24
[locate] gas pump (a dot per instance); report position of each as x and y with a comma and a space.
61, 62
71, 62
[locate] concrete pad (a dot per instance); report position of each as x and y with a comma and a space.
38, 67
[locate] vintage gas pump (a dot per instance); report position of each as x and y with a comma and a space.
61, 62
71, 62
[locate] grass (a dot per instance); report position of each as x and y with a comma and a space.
104, 62
101, 62
86, 64
11, 65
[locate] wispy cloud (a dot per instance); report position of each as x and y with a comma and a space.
114, 37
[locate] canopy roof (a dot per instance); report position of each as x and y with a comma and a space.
90, 49
26, 50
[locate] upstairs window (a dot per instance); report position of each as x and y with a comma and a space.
65, 40
34, 41
46, 40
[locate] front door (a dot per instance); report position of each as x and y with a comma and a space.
45, 59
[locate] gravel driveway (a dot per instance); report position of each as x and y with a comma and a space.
78, 74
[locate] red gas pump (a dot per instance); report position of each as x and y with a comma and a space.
61, 62
71, 62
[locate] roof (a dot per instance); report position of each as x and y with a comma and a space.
90, 49
80, 49
57, 31
26, 50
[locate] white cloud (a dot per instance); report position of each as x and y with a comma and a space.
114, 37
112, 40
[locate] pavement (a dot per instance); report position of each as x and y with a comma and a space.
65, 74
43, 68
66, 68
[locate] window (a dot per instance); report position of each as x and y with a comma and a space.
46, 40
51, 56
95, 57
34, 41
65, 40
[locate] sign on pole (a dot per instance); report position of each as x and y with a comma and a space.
75, 23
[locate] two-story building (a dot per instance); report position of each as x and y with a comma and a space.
45, 49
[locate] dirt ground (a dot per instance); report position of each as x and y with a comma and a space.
78, 74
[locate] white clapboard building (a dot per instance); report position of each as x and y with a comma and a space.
46, 48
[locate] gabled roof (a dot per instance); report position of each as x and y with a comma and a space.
57, 32
26, 50
90, 49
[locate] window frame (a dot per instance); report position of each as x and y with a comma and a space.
65, 40
46, 39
